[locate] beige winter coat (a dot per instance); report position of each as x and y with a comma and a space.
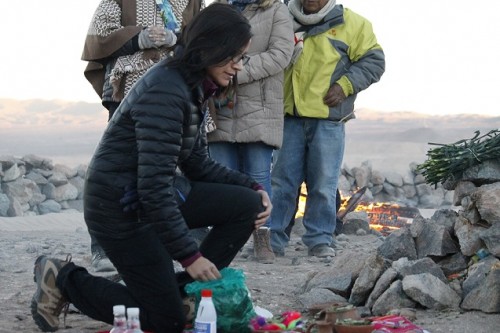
257, 115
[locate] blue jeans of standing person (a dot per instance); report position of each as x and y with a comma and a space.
253, 159
312, 151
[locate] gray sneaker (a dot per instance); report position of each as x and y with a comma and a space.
321, 251
100, 263
48, 302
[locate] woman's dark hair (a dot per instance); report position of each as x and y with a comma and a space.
216, 34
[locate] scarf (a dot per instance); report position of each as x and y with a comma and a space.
241, 4
301, 18
209, 89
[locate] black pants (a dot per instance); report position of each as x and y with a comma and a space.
147, 268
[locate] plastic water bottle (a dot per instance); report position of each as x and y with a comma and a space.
120, 321
206, 317
133, 323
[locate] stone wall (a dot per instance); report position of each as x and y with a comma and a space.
450, 261
409, 189
33, 185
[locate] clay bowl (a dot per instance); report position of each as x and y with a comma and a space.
267, 331
332, 315
322, 326
352, 328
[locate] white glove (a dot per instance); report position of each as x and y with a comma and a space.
145, 41
170, 38
156, 37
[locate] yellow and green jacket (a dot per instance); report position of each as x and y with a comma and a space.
341, 49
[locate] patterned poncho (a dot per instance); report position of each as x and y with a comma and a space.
115, 22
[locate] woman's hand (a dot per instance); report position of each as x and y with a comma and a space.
263, 216
203, 269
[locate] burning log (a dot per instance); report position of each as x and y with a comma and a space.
392, 215
352, 203
384, 217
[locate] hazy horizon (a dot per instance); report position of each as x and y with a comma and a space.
68, 132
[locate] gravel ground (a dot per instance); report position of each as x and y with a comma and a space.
273, 287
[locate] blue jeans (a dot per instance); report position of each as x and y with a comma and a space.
312, 151
253, 159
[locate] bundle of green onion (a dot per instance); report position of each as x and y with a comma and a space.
449, 160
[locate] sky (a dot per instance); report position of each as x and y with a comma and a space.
441, 56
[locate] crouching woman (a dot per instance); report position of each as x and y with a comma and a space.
157, 130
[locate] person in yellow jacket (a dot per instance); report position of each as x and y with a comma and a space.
336, 56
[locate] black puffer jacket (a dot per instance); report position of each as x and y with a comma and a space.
156, 130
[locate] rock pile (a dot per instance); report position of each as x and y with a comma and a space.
449, 261
34, 185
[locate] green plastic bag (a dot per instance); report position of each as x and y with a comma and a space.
231, 298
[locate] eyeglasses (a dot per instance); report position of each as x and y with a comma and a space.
240, 57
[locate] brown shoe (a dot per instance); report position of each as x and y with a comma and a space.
262, 246
47, 302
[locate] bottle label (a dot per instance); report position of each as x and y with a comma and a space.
205, 327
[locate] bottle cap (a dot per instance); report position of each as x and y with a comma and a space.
119, 309
206, 293
132, 312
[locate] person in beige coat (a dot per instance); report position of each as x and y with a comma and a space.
249, 123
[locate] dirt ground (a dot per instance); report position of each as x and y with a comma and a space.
273, 287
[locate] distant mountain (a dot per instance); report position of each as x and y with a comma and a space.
39, 114
393, 140
68, 132
418, 127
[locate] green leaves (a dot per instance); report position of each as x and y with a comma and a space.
449, 160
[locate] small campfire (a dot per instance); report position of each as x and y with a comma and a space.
386, 217
383, 217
